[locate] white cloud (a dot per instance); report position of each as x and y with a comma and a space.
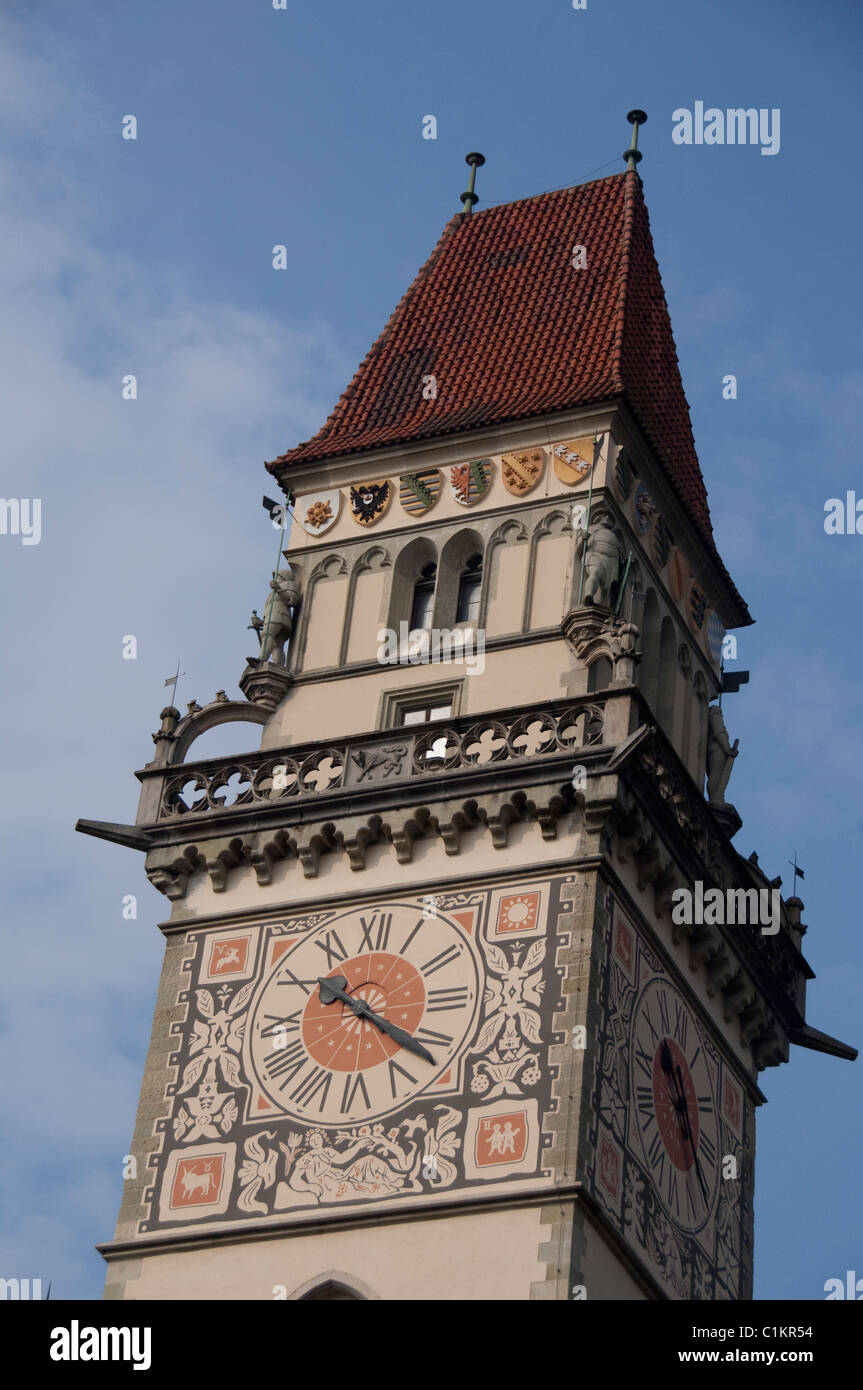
152, 525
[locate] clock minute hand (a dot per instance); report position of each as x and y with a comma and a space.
333, 988
406, 1039
683, 1108
667, 1063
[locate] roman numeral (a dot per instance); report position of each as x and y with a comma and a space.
705, 1104
318, 1079
681, 1023
644, 1060
645, 1099
290, 1023
447, 999
705, 1143
673, 1194
694, 1057
393, 1068
660, 1169
654, 1150
411, 935
690, 1205
428, 1035
334, 952
442, 959
291, 979
291, 1060
353, 1084
649, 1021
383, 932
662, 1000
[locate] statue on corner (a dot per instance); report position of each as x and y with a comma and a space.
602, 560
276, 626
720, 756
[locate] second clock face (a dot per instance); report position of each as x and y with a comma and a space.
318, 1060
675, 1105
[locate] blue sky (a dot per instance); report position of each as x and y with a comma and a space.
303, 127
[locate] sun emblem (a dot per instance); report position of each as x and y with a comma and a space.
518, 913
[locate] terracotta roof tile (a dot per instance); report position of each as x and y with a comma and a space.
511, 330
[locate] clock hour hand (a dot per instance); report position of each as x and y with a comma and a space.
667, 1063
334, 988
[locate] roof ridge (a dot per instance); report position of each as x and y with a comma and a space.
631, 186
548, 193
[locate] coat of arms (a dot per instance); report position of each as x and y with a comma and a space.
645, 509
574, 458
469, 482
419, 491
369, 501
318, 511
522, 472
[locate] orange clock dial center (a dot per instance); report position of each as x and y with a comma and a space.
668, 1115
340, 1040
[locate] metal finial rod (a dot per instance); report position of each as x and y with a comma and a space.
633, 155
470, 199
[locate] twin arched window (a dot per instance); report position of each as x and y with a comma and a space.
469, 589
423, 599
467, 598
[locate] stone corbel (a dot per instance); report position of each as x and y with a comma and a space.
281, 846
770, 1047
465, 818
753, 1020
327, 840
548, 816
220, 864
704, 943
589, 630
170, 875
500, 820
372, 832
416, 827
664, 885
737, 995
629, 829
646, 862
720, 969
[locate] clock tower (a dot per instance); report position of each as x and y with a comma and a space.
467, 992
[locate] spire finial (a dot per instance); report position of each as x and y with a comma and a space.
633, 155
469, 199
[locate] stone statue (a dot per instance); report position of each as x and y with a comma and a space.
720, 756
602, 560
277, 625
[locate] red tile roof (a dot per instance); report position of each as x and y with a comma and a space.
511, 330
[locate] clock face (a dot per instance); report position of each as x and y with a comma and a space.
675, 1105
318, 1059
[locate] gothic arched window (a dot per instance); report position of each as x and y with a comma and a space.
599, 675
469, 587
423, 600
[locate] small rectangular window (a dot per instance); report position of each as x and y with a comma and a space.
420, 704
421, 714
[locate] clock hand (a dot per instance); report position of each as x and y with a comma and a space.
399, 1034
334, 988
682, 1107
